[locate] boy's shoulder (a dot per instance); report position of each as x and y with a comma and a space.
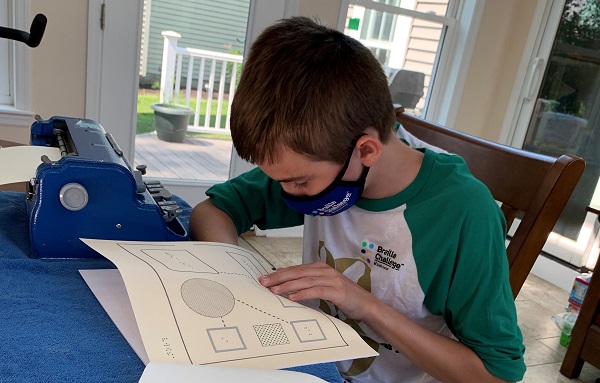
413, 141
441, 165
449, 177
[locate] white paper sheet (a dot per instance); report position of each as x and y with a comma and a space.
201, 303
187, 373
108, 287
19, 163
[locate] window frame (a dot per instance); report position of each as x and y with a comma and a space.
462, 21
538, 49
5, 95
17, 113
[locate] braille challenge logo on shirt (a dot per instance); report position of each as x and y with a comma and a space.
380, 256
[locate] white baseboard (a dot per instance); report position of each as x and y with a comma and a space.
555, 273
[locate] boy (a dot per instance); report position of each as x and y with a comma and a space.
402, 244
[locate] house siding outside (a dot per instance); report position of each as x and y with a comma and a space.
423, 42
402, 42
211, 25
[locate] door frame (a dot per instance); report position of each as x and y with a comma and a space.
526, 87
261, 14
529, 77
114, 76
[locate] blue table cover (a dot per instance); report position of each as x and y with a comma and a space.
52, 328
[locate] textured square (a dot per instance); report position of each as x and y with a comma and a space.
271, 334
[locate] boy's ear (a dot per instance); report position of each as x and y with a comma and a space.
370, 148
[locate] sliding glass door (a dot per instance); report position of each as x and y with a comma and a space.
559, 113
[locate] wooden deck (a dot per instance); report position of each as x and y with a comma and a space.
194, 159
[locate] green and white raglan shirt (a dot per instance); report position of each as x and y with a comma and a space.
434, 252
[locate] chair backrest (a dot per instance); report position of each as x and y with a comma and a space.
536, 185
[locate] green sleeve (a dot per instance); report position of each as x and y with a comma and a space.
463, 269
254, 199
480, 305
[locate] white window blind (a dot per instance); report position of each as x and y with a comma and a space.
5, 58
15, 69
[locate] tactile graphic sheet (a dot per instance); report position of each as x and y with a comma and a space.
201, 303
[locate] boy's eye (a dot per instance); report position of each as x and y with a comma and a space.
301, 185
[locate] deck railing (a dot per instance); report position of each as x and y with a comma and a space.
215, 70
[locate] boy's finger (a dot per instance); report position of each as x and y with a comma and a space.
300, 284
293, 273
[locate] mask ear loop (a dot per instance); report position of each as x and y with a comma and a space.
363, 178
338, 178
365, 172
342, 172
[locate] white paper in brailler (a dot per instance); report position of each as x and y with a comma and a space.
19, 163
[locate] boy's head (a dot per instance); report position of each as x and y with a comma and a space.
310, 89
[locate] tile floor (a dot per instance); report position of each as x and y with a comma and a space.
536, 303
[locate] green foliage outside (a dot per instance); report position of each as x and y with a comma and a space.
577, 43
145, 115
581, 24
238, 72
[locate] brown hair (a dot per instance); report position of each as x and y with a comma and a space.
311, 89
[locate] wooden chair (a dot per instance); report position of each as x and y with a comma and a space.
536, 185
585, 336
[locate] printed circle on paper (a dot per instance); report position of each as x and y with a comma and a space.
207, 298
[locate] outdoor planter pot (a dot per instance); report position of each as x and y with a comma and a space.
171, 121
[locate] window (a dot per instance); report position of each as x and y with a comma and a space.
5, 94
555, 109
401, 42
14, 67
419, 41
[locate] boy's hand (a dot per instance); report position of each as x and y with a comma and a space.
444, 358
320, 281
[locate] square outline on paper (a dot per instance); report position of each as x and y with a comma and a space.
212, 331
318, 326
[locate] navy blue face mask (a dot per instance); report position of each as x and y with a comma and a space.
337, 197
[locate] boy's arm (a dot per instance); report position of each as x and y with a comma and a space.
236, 205
209, 223
445, 359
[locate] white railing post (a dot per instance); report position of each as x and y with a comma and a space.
168, 65
171, 79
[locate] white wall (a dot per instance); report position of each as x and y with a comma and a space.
59, 63
496, 57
